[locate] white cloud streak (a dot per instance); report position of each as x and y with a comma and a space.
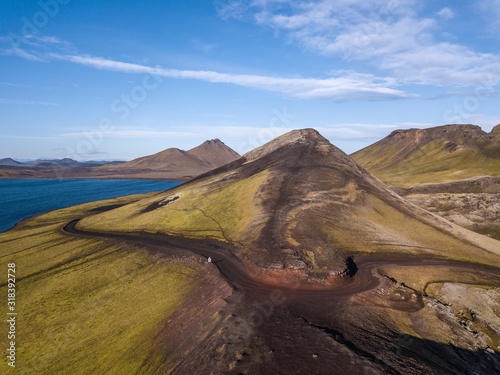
26, 102
348, 87
136, 133
345, 86
29, 137
446, 14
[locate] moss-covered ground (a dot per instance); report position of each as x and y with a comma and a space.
86, 305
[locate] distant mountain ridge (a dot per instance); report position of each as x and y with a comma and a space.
172, 163
210, 154
10, 162
176, 163
435, 155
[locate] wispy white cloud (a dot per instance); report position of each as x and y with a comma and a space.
15, 85
135, 133
227, 9
33, 47
388, 35
16, 51
446, 14
39, 41
30, 137
490, 10
26, 102
344, 86
201, 46
347, 87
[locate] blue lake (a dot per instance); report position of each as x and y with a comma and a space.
22, 198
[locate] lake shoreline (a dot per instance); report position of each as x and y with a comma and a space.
24, 198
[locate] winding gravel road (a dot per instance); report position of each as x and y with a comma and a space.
230, 266
315, 323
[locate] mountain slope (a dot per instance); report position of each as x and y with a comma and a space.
65, 162
298, 203
178, 163
9, 162
214, 152
169, 158
435, 155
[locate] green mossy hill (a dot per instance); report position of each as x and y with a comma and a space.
442, 154
86, 305
297, 202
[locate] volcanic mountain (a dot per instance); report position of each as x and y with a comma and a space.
435, 155
208, 155
298, 204
178, 164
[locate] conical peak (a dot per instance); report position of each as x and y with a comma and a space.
209, 143
303, 137
213, 141
307, 133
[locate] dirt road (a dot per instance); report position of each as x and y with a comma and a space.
297, 330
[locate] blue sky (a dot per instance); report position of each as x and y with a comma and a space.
96, 80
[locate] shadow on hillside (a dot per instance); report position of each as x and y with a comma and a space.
409, 355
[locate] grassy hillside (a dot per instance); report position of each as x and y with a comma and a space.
192, 212
298, 202
87, 305
421, 156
